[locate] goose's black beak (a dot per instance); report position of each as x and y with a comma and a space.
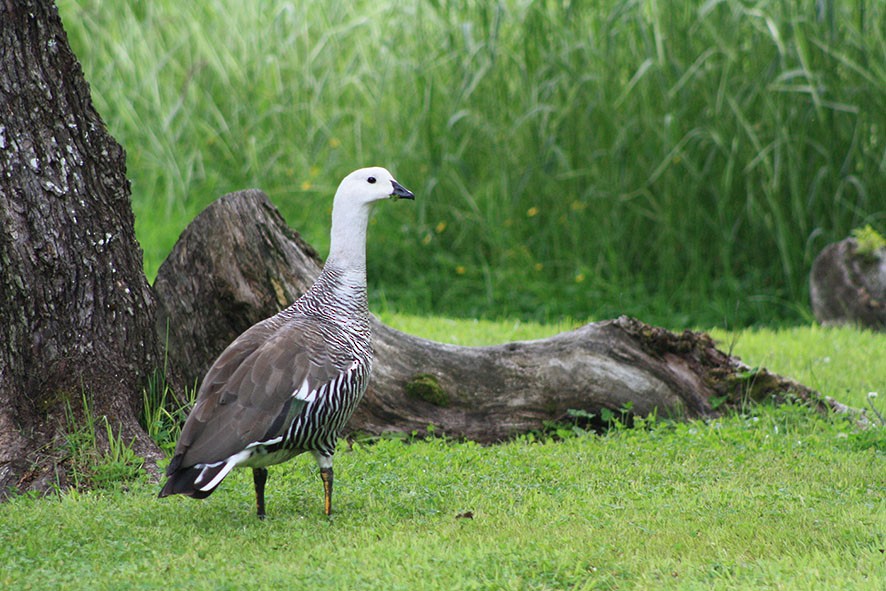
401, 192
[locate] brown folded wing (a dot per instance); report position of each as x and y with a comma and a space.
247, 395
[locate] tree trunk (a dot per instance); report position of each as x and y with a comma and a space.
77, 312
238, 263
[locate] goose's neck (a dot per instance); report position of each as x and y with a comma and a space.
347, 245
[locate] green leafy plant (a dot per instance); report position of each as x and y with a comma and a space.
118, 464
162, 415
869, 241
90, 465
871, 397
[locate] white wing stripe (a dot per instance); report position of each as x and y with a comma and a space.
266, 442
305, 393
229, 465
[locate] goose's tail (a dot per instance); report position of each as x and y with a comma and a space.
196, 481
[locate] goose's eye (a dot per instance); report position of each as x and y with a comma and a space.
371, 180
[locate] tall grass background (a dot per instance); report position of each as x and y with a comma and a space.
680, 161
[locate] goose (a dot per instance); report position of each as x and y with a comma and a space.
289, 384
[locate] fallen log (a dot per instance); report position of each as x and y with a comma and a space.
238, 262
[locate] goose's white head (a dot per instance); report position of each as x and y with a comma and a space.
367, 185
350, 213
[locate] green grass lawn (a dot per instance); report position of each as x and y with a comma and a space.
773, 498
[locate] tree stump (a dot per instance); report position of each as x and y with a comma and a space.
847, 287
239, 258
238, 263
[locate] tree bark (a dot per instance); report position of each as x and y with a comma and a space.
77, 312
238, 263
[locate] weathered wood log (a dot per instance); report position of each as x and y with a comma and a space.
238, 263
491, 393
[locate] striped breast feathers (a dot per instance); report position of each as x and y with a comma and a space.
257, 387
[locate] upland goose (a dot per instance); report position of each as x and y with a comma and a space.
290, 383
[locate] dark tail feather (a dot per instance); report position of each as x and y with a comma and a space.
183, 481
